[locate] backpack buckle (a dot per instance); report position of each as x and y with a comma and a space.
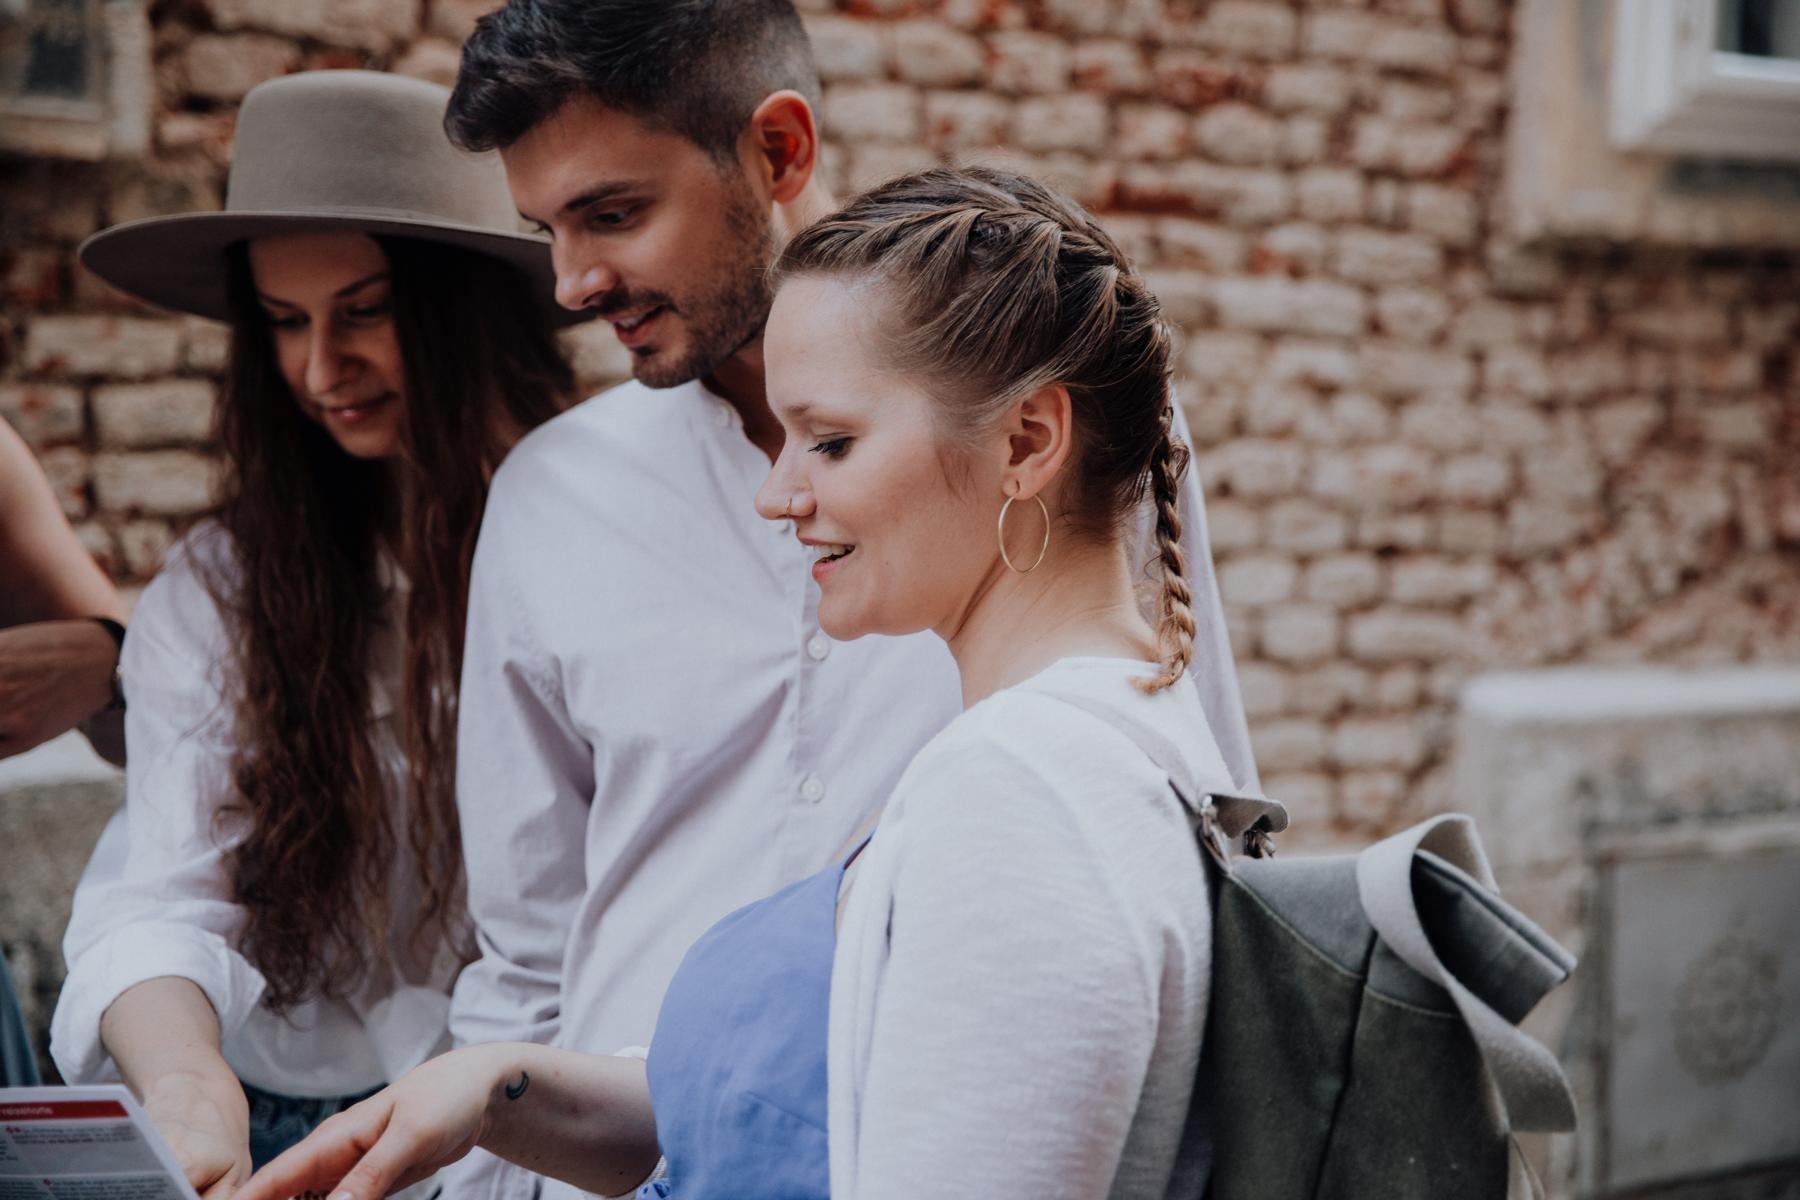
1212, 834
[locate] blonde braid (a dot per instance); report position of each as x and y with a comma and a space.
1175, 626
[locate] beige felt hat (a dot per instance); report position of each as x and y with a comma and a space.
362, 151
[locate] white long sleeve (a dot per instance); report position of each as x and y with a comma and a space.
167, 911
524, 820
1024, 961
165, 907
524, 782
1019, 1010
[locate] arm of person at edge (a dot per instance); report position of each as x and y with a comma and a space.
164, 1036
524, 786
581, 1118
55, 667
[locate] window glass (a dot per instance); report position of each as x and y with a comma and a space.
1765, 28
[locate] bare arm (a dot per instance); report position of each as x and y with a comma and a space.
55, 668
164, 1036
51, 575
581, 1118
55, 675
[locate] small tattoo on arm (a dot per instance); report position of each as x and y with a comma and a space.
515, 1090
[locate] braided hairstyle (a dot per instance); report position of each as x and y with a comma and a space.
1001, 287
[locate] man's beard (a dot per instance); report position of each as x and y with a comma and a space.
720, 322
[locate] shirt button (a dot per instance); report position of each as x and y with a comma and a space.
812, 788
722, 415
819, 646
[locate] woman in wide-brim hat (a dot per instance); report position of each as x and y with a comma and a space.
272, 927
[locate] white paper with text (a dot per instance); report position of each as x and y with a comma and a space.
83, 1143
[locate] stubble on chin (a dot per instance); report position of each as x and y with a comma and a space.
723, 320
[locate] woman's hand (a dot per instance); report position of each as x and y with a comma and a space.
207, 1125
582, 1118
164, 1036
433, 1116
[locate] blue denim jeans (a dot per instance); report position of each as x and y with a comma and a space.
18, 1063
277, 1122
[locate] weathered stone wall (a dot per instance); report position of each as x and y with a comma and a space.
1649, 820
50, 821
1427, 453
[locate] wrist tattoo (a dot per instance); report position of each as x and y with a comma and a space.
515, 1090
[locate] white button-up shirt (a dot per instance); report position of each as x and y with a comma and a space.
157, 900
654, 730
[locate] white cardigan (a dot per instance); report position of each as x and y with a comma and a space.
1020, 982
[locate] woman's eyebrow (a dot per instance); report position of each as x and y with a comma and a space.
360, 284
346, 290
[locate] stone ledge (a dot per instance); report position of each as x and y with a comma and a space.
61, 760
1606, 694
1649, 819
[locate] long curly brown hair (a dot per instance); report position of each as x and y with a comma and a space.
310, 808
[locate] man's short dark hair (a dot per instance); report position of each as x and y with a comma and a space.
696, 67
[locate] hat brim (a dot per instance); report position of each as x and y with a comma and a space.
179, 262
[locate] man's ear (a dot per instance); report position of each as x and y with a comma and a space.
1040, 433
781, 145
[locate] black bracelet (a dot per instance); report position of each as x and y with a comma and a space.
115, 631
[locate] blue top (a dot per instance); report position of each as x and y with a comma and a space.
737, 1064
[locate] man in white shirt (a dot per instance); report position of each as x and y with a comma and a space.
654, 731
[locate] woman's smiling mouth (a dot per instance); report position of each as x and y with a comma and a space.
350, 414
828, 557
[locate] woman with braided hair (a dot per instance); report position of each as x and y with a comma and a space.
1002, 992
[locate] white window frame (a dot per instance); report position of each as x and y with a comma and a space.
113, 122
1675, 92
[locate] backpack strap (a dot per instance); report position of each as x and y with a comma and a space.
1533, 1090
1221, 816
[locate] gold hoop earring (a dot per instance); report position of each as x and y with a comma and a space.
1042, 549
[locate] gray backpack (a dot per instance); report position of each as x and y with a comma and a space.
1363, 1035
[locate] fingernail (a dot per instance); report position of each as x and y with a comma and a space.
344, 1195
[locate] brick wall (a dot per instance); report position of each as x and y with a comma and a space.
1427, 453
